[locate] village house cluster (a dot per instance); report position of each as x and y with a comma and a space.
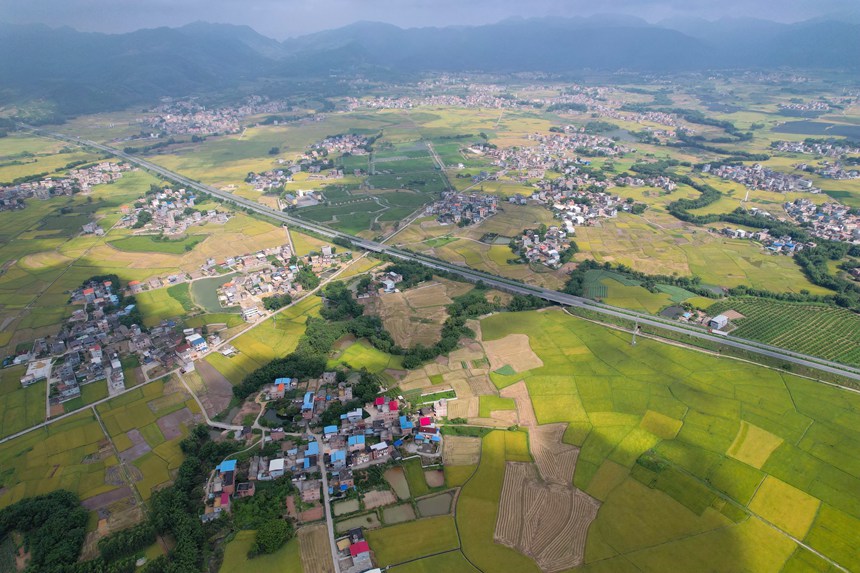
834, 170
268, 272
806, 106
76, 181
190, 118
88, 347
547, 250
574, 141
783, 245
168, 211
658, 181
811, 147
313, 455
832, 221
463, 209
759, 177
345, 143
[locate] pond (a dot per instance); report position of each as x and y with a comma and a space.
344, 507
436, 505
621, 134
368, 521
818, 128
396, 478
204, 292
398, 514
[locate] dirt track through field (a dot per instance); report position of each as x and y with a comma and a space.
541, 514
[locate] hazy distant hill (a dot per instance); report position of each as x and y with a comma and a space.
85, 72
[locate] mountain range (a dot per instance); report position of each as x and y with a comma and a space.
85, 72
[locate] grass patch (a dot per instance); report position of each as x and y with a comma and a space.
490, 403
406, 541
287, 558
153, 244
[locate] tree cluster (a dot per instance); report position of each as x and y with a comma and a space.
277, 301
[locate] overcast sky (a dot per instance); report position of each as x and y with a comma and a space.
284, 18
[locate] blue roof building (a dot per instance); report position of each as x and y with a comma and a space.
227, 466
338, 456
355, 441
313, 449
405, 424
308, 402
330, 430
284, 381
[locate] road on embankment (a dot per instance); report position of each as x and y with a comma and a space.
473, 275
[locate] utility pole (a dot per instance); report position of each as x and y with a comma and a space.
635, 330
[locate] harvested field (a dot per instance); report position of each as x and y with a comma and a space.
435, 505
555, 460
541, 514
367, 521
107, 498
398, 514
481, 385
218, 392
463, 408
512, 350
378, 498
520, 393
461, 451
509, 525
416, 315
396, 478
732, 314
504, 417
315, 549
344, 507
548, 522
170, 424
434, 478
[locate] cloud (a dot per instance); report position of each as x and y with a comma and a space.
282, 18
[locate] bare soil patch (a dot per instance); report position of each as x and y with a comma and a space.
107, 498
170, 424
513, 350
249, 408
313, 514
434, 478
378, 498
315, 549
733, 315
218, 392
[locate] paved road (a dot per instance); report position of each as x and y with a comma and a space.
329, 521
473, 275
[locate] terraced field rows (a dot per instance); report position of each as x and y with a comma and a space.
818, 330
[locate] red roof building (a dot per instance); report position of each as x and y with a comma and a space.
380, 400
425, 421
357, 549
393, 406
